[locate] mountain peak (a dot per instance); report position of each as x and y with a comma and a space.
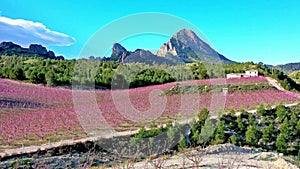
119, 53
185, 33
188, 47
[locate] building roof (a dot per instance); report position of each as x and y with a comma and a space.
236, 74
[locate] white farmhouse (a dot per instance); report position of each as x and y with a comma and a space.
235, 75
248, 73
251, 73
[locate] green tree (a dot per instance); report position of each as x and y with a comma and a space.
241, 125
220, 133
281, 143
261, 111
285, 128
233, 139
17, 74
207, 131
182, 143
298, 128
50, 78
202, 116
197, 126
281, 113
252, 136
252, 120
267, 134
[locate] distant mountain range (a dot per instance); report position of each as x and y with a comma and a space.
34, 50
184, 47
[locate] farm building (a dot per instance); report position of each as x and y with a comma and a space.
251, 73
248, 73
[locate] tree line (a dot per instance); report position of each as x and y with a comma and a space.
108, 74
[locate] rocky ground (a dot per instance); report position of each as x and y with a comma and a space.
221, 156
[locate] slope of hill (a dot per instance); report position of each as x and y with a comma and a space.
34, 50
289, 68
295, 76
184, 47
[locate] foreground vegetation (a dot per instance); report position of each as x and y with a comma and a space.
268, 130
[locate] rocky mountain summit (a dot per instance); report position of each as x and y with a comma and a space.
187, 46
10, 49
184, 47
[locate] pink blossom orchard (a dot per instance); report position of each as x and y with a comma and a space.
32, 110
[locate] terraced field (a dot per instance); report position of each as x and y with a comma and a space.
33, 114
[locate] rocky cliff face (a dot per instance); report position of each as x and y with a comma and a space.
9, 48
186, 45
38, 49
8, 45
120, 54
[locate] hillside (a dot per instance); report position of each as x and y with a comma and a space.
289, 68
295, 76
34, 50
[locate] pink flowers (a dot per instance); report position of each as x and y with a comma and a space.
32, 110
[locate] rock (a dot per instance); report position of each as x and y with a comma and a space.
280, 163
38, 49
119, 53
187, 46
226, 148
167, 47
60, 57
8, 45
50, 55
10, 49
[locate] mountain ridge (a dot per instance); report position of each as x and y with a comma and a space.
289, 67
10, 49
183, 47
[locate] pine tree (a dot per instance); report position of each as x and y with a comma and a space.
261, 111
252, 120
285, 128
281, 113
182, 143
252, 136
281, 143
233, 139
220, 133
241, 125
298, 128
267, 134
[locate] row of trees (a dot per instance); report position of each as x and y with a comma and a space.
275, 129
269, 129
103, 74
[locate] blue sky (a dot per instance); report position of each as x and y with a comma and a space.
254, 30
